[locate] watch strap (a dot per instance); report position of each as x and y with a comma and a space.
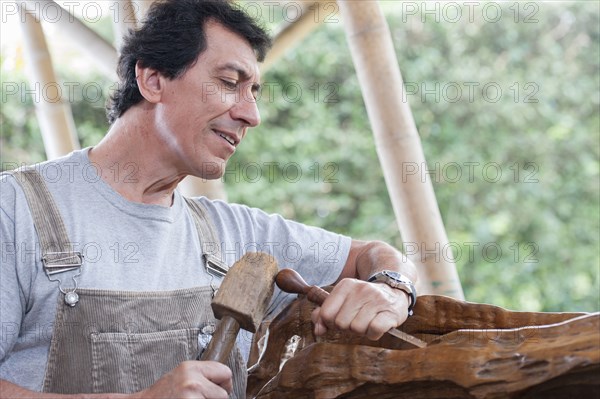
397, 280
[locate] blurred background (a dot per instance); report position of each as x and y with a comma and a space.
505, 96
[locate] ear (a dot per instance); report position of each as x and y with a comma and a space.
150, 83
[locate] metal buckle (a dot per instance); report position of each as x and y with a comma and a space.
204, 338
68, 261
59, 262
215, 267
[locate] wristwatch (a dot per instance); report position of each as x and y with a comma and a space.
397, 280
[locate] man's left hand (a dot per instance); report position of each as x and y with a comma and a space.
368, 309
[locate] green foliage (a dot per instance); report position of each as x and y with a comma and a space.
516, 173
20, 138
19, 131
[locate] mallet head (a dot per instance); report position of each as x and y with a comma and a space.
246, 290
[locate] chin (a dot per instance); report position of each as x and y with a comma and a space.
211, 170
212, 175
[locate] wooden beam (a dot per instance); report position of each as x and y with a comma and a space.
289, 34
399, 147
53, 113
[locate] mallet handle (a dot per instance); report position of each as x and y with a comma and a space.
222, 341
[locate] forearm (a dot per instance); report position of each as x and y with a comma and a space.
9, 390
369, 257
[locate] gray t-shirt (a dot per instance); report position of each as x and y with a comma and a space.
130, 246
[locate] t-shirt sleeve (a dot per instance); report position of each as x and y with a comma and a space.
317, 254
12, 297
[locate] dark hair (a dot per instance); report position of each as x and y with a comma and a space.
171, 39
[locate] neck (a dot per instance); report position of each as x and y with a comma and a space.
134, 165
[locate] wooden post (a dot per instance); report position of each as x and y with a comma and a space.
399, 147
53, 113
123, 21
141, 8
88, 41
193, 186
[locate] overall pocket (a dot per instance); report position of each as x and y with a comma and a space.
128, 363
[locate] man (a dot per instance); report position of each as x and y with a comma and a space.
111, 293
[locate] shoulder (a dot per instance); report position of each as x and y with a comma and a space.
59, 170
56, 174
10, 193
262, 225
239, 214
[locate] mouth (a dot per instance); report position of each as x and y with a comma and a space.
230, 138
230, 141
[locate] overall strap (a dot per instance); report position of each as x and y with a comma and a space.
211, 250
57, 253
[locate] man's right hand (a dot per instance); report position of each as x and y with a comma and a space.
192, 379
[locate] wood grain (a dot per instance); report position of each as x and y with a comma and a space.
474, 351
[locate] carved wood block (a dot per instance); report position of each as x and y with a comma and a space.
474, 351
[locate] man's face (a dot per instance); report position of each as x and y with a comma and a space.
205, 113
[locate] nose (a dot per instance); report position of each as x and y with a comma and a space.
246, 110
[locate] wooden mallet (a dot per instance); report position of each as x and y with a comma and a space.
241, 301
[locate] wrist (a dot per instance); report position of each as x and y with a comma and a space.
397, 281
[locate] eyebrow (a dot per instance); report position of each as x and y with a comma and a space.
241, 72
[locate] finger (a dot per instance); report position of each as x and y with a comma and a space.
213, 391
364, 302
191, 379
341, 294
219, 377
227, 386
361, 322
217, 373
319, 328
380, 324
379, 311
